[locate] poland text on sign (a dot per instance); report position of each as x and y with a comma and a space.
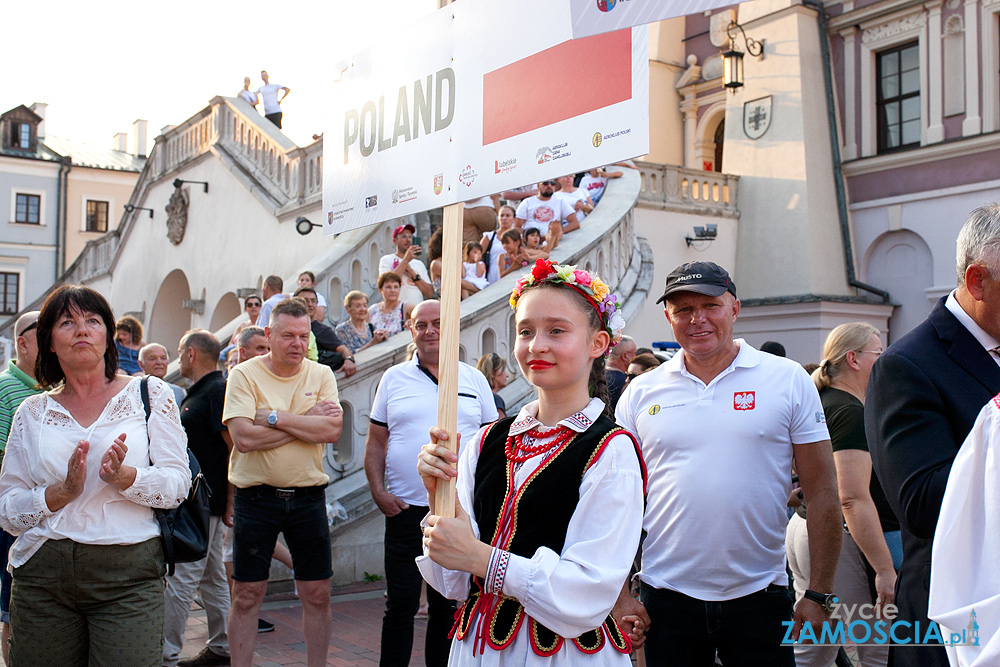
480, 97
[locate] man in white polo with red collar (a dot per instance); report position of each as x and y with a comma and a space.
720, 426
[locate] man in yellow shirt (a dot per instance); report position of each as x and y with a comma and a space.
280, 410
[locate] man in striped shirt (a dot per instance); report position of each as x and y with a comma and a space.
16, 384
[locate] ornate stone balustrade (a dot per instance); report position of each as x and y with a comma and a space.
673, 188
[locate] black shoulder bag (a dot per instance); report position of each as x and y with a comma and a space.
184, 529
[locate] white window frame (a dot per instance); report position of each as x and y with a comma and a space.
16, 265
83, 211
990, 36
14, 192
878, 36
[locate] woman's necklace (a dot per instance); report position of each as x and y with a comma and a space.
518, 452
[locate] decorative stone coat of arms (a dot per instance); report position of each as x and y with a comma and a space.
757, 117
177, 216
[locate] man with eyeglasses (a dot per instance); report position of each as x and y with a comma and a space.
17, 383
405, 407
551, 215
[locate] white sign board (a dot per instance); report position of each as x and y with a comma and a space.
593, 17
480, 97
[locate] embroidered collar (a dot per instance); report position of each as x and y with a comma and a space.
580, 422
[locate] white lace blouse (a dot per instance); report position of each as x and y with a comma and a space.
42, 438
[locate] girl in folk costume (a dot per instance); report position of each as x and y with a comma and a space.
550, 502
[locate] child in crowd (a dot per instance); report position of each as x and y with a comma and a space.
475, 267
535, 493
533, 244
513, 257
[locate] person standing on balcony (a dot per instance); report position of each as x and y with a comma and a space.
247, 95
272, 103
415, 281
405, 407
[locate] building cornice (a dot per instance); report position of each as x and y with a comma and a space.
872, 14
931, 153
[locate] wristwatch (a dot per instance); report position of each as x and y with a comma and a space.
825, 600
350, 358
272, 419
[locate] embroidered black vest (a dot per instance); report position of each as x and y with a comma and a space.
542, 508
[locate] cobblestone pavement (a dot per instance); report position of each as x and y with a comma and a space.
357, 623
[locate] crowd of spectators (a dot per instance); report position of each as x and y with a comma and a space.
869, 438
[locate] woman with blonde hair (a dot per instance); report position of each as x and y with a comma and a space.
870, 525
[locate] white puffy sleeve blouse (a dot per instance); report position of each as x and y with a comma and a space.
42, 438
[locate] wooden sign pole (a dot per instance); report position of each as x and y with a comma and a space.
451, 300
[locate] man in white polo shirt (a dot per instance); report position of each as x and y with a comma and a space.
720, 426
405, 407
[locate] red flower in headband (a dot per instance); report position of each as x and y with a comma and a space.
542, 268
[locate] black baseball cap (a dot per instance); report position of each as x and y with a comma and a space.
701, 277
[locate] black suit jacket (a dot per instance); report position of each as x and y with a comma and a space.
923, 397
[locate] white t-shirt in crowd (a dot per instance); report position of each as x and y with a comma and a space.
594, 186
406, 403
496, 249
249, 96
719, 459
538, 214
482, 201
572, 198
269, 94
408, 290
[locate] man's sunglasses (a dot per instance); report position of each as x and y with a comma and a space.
33, 325
553, 183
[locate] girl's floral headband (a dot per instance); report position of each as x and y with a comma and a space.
586, 284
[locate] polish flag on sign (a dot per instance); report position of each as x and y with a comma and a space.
613, 69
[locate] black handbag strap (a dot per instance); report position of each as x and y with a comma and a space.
144, 394
168, 546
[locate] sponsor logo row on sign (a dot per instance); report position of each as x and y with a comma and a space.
469, 174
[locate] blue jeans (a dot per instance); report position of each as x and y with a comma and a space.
746, 632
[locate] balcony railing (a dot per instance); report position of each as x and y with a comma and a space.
669, 187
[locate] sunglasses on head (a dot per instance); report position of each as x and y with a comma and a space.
33, 325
